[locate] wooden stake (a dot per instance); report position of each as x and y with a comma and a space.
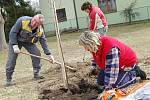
64, 74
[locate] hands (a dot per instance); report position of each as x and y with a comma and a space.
93, 72
51, 58
105, 29
16, 49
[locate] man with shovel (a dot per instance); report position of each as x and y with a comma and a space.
25, 33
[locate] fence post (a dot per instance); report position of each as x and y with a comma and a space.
148, 13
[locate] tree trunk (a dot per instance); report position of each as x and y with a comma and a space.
130, 18
107, 6
3, 44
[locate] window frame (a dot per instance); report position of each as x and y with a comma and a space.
106, 6
61, 18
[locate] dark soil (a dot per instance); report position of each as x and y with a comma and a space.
81, 86
80, 91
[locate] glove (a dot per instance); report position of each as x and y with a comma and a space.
93, 72
51, 58
16, 49
93, 68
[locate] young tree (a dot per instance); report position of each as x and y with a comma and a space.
129, 13
15, 9
3, 44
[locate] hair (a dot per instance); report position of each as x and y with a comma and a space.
86, 5
40, 18
89, 39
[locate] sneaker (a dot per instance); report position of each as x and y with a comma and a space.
100, 89
8, 83
140, 73
38, 77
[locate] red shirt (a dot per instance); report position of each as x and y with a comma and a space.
92, 15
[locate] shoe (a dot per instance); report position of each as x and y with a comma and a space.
100, 89
8, 83
140, 73
38, 77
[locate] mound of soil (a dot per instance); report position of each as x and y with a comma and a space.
80, 91
81, 86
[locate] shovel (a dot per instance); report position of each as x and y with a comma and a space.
70, 68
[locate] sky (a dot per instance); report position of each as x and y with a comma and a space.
33, 1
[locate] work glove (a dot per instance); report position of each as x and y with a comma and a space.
105, 29
51, 58
93, 68
16, 49
93, 72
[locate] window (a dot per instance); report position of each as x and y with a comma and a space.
107, 6
61, 15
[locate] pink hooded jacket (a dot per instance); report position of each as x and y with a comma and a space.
94, 22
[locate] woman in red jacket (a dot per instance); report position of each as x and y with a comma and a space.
97, 19
116, 61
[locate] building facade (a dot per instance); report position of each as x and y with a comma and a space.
70, 15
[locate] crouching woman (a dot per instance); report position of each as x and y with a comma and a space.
117, 62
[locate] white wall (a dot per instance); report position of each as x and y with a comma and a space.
47, 11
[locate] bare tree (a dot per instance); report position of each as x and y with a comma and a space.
129, 12
3, 44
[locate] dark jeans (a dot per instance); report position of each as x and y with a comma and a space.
129, 78
12, 57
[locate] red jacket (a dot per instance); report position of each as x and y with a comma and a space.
93, 11
127, 56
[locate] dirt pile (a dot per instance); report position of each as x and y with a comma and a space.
80, 91
81, 86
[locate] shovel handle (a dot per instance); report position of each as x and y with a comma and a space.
72, 69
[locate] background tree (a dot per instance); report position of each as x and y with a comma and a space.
129, 13
15, 9
3, 44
